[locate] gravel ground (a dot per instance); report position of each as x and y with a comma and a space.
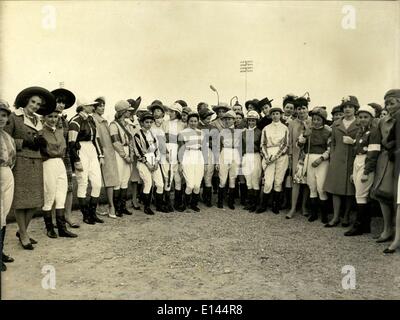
214, 254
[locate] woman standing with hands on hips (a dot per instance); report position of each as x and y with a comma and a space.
24, 125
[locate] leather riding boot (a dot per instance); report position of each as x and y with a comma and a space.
160, 203
231, 198
146, 203
49, 224
117, 202
314, 209
243, 194
323, 204
61, 225
84, 206
194, 202
249, 200
264, 203
275, 201
167, 201
221, 193
124, 198
92, 209
178, 201
356, 229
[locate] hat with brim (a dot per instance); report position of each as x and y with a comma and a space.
221, 106
350, 101
182, 103
187, 110
175, 107
204, 113
378, 108
253, 115
264, 102
69, 96
275, 109
47, 107
100, 99
122, 106
157, 104
367, 109
84, 102
336, 109
146, 115
135, 103
5, 106
229, 114
319, 111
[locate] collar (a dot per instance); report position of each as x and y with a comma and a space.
98, 117
20, 112
52, 129
84, 115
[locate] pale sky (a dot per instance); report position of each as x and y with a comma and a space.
173, 50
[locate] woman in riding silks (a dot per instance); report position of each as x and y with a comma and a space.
148, 165
251, 161
210, 137
172, 128
190, 144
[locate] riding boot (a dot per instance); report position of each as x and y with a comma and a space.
215, 183
243, 194
117, 202
92, 209
49, 224
366, 220
124, 197
231, 198
207, 194
323, 205
356, 229
194, 202
254, 200
61, 225
275, 201
160, 203
84, 206
187, 198
264, 203
167, 201
221, 193
314, 209
249, 200
178, 201
146, 203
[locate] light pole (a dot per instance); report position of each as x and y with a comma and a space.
237, 100
246, 66
215, 90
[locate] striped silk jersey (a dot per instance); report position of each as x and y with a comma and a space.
368, 141
191, 138
146, 147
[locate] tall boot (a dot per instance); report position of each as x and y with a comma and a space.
324, 207
207, 194
167, 201
117, 202
231, 198
356, 229
124, 198
178, 201
61, 225
146, 203
243, 194
275, 201
92, 209
84, 206
215, 183
187, 198
255, 200
366, 220
314, 209
264, 203
249, 200
221, 193
194, 202
160, 203
49, 224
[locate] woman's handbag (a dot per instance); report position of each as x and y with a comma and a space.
383, 186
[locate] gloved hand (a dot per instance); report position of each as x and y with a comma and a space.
31, 143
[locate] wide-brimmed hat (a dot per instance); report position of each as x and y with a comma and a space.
135, 103
253, 115
157, 104
182, 103
69, 96
275, 109
319, 111
205, 112
47, 107
146, 115
142, 108
392, 93
265, 101
5, 106
253, 102
229, 114
367, 109
175, 107
378, 108
350, 101
221, 105
337, 109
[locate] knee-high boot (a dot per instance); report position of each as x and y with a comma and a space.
92, 209
61, 225
249, 200
146, 202
167, 201
124, 197
264, 203
49, 224
356, 229
314, 209
231, 198
194, 202
243, 194
178, 201
84, 206
117, 202
275, 201
221, 193
255, 200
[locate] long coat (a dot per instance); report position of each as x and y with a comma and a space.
341, 160
110, 162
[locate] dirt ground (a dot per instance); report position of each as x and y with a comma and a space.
214, 254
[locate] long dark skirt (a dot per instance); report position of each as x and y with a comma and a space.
28, 179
